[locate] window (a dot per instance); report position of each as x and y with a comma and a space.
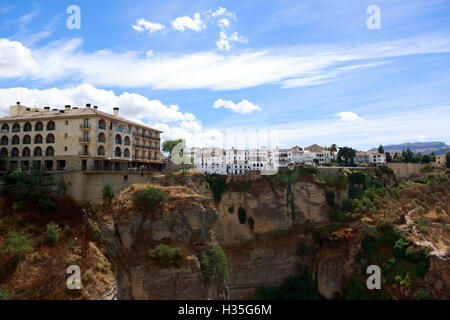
50, 138
27, 127
37, 152
118, 139
118, 152
101, 151
102, 124
15, 140
39, 126
50, 152
27, 139
5, 128
67, 122
66, 136
50, 126
38, 139
14, 152
26, 152
4, 153
61, 165
65, 148
16, 127
5, 141
126, 153
101, 137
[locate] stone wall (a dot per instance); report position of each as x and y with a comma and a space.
407, 170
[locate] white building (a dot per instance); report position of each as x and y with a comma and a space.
371, 157
320, 154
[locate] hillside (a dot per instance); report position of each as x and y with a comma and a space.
416, 147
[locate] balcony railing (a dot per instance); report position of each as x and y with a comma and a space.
85, 126
84, 153
84, 139
102, 127
101, 140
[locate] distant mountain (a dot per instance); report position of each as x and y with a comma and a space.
416, 147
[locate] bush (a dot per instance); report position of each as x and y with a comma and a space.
339, 216
108, 192
400, 248
346, 204
423, 294
242, 215
17, 243
355, 192
369, 240
166, 255
231, 209
330, 196
52, 234
4, 295
251, 223
47, 205
150, 197
217, 184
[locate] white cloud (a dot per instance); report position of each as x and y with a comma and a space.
225, 40
149, 53
349, 116
132, 106
185, 22
144, 25
288, 67
243, 107
221, 12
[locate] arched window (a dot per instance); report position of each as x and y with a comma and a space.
101, 151
127, 141
50, 138
51, 126
102, 124
27, 139
118, 139
5, 141
38, 139
14, 152
16, 127
38, 152
118, 152
50, 152
39, 126
5, 128
26, 152
27, 127
15, 140
126, 153
4, 153
101, 137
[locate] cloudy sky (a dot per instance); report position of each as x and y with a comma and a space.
311, 71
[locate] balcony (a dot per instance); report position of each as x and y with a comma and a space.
102, 127
84, 153
85, 126
84, 140
101, 140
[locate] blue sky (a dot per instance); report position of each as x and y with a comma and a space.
310, 70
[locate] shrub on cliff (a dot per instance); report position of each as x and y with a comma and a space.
166, 255
214, 264
52, 234
17, 243
150, 197
217, 184
108, 192
423, 294
4, 295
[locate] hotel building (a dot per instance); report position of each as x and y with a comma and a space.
76, 139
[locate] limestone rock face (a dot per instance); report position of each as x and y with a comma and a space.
334, 265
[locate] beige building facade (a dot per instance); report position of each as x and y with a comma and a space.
76, 139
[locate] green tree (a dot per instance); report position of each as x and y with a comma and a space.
447, 159
432, 157
214, 264
168, 145
426, 158
17, 243
380, 149
346, 155
333, 149
388, 157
